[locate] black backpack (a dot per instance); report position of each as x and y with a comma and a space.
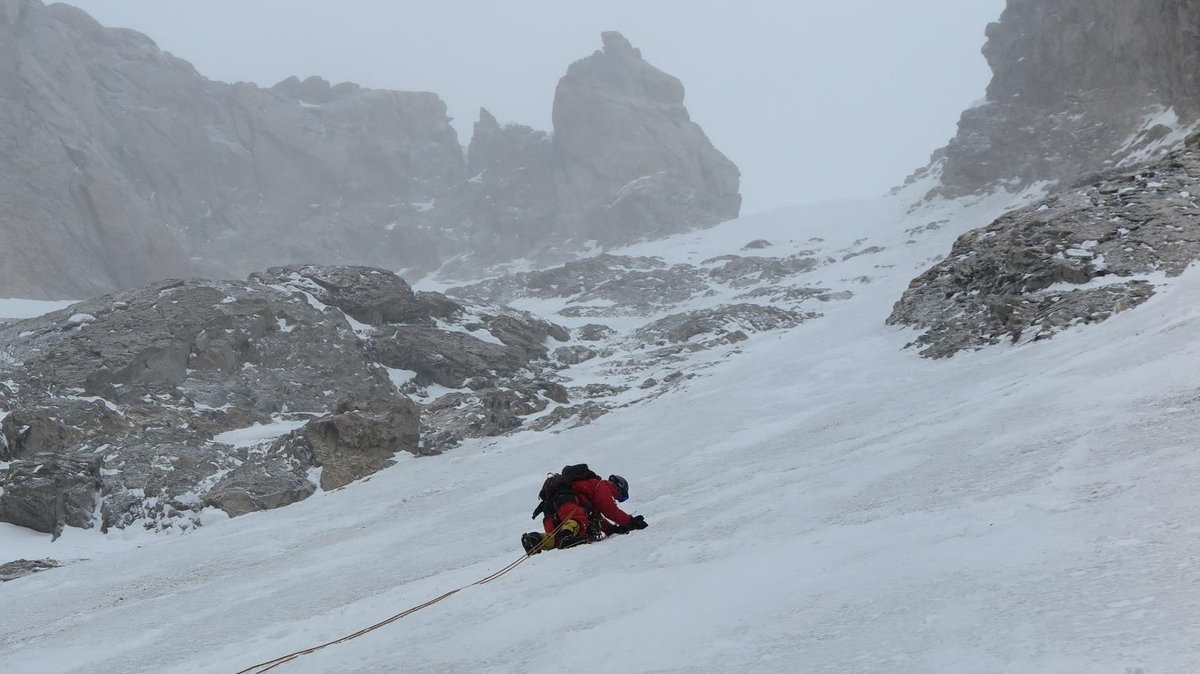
556, 490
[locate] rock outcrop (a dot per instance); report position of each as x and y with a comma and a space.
25, 567
622, 285
122, 165
683, 327
1079, 86
631, 162
1077, 257
625, 162
511, 191
359, 439
50, 492
147, 406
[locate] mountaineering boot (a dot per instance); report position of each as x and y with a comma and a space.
532, 542
569, 536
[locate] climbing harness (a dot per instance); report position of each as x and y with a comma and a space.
267, 666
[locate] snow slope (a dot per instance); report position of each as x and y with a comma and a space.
825, 502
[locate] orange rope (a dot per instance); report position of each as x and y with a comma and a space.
272, 664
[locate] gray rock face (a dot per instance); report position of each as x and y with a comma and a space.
619, 285
718, 321
743, 272
165, 479
574, 355
446, 359
123, 163
113, 411
213, 342
510, 189
122, 166
1078, 86
49, 492
370, 296
1075, 258
31, 431
633, 164
594, 277
625, 163
594, 332
269, 485
68, 226
526, 332
488, 412
134, 387
358, 440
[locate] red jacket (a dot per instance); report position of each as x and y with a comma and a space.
598, 495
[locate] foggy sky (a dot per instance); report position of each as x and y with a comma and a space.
812, 100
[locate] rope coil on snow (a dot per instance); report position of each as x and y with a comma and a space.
262, 667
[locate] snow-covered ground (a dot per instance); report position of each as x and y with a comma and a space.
825, 502
12, 308
253, 435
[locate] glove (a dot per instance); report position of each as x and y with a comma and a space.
636, 524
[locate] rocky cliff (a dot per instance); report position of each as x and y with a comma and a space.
625, 163
1079, 86
631, 163
1095, 101
1074, 258
120, 164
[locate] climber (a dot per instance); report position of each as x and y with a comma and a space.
581, 507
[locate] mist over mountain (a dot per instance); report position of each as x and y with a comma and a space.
124, 165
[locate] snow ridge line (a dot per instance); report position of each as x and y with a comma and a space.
267, 666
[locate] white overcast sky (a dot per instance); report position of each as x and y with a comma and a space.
812, 100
